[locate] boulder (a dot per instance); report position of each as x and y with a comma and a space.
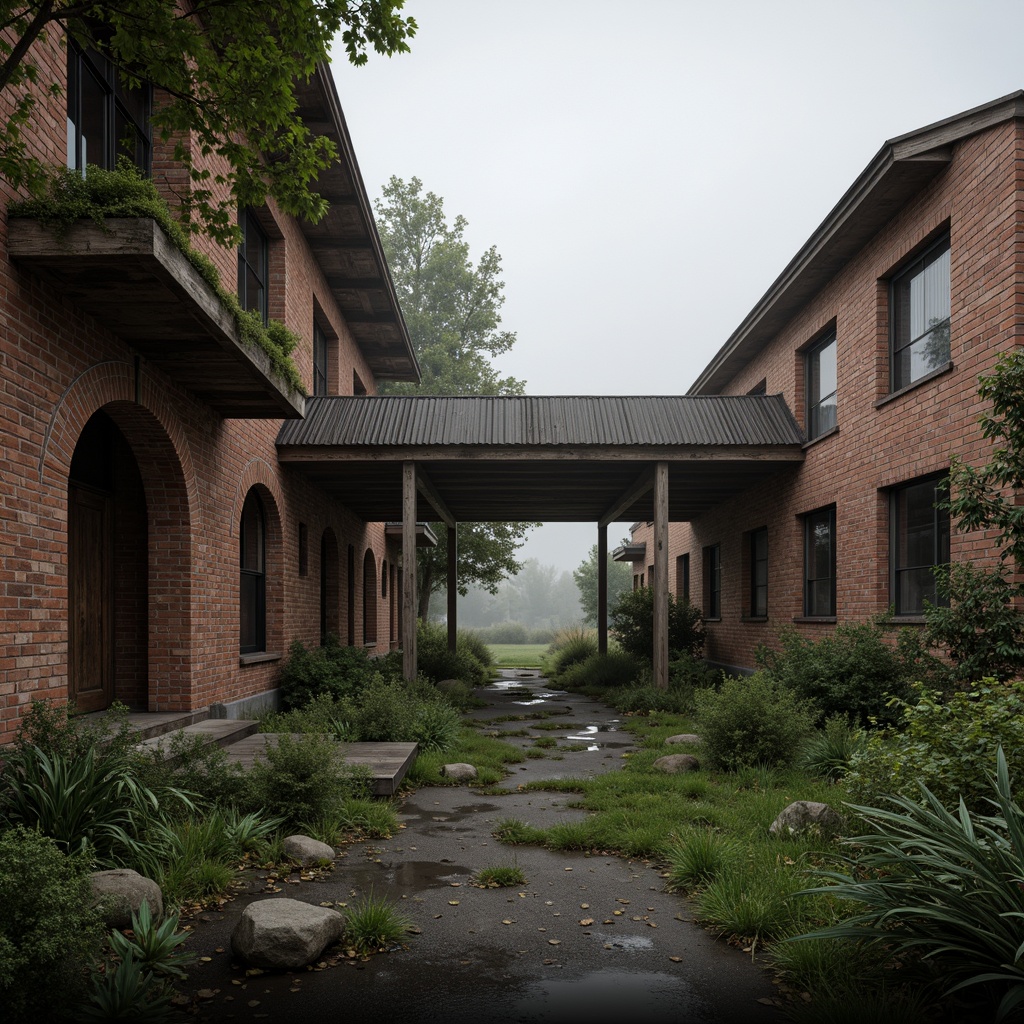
684, 737
460, 772
673, 764
283, 934
121, 892
306, 851
802, 815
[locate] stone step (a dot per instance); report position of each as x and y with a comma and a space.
222, 731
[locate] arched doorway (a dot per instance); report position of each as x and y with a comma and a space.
108, 575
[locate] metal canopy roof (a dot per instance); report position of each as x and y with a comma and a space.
552, 459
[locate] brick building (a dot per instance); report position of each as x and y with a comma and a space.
875, 334
154, 551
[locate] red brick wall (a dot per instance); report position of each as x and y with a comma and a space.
176, 613
880, 442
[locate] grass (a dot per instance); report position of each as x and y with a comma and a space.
489, 756
499, 876
374, 925
517, 655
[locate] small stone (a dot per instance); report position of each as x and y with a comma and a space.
306, 851
675, 764
459, 771
802, 815
684, 737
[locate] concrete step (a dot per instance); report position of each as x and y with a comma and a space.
221, 731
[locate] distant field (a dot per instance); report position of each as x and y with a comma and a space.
517, 655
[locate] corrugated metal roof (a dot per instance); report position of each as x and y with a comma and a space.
543, 421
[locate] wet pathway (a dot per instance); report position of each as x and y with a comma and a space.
590, 939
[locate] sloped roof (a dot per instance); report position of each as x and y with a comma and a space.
900, 170
569, 459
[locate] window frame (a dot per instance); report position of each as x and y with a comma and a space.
683, 577
898, 344
713, 584
321, 348
758, 574
939, 544
828, 513
250, 225
814, 400
255, 594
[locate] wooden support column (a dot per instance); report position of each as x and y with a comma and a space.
453, 587
602, 590
409, 663
661, 576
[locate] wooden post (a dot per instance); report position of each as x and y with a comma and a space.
453, 585
602, 590
409, 663
661, 576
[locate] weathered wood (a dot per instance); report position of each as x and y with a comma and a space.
661, 576
602, 589
643, 483
453, 587
409, 661
426, 487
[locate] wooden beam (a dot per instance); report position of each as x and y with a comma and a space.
426, 487
643, 483
602, 590
409, 663
661, 576
453, 587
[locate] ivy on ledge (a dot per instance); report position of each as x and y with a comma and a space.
67, 197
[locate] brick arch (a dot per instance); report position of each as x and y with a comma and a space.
173, 512
260, 476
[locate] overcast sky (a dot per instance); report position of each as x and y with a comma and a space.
647, 169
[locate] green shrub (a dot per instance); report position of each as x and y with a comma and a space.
49, 931
852, 672
752, 720
574, 650
614, 669
942, 886
436, 725
947, 744
687, 670
127, 991
503, 633
475, 645
647, 698
632, 622
828, 753
303, 778
436, 662
154, 944
332, 668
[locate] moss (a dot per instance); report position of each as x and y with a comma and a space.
68, 197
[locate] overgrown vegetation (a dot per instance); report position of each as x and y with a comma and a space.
632, 622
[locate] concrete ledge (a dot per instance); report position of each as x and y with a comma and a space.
248, 707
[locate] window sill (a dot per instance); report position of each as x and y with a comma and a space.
258, 658
907, 620
821, 437
814, 618
711, 618
938, 372
753, 618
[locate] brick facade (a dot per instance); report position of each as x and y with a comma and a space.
883, 439
175, 476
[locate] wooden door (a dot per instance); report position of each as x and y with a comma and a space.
90, 640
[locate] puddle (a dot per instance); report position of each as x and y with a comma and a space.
414, 875
630, 943
508, 684
529, 703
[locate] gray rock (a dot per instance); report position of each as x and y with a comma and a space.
307, 851
121, 892
802, 815
674, 764
684, 737
460, 772
283, 934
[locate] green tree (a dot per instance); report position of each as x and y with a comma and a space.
226, 72
620, 579
452, 308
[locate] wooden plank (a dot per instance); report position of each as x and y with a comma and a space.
661, 576
409, 623
602, 589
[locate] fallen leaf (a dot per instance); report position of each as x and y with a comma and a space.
207, 993
584, 906
622, 901
506, 921
618, 913
554, 942
587, 921
453, 903
676, 959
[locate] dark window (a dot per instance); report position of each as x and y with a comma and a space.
253, 582
759, 572
683, 577
920, 540
303, 550
760, 388
820, 563
821, 387
369, 599
713, 580
358, 387
320, 349
253, 265
106, 119
919, 311
650, 576
384, 578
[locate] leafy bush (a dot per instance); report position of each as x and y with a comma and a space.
853, 671
752, 720
154, 944
614, 669
127, 991
570, 651
436, 662
474, 645
632, 621
942, 886
685, 669
947, 744
646, 698
332, 668
828, 753
49, 930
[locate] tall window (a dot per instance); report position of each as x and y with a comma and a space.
369, 599
713, 581
319, 360
253, 581
919, 316
920, 540
759, 572
253, 265
820, 375
683, 577
105, 119
820, 563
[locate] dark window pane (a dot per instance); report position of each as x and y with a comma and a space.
920, 312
